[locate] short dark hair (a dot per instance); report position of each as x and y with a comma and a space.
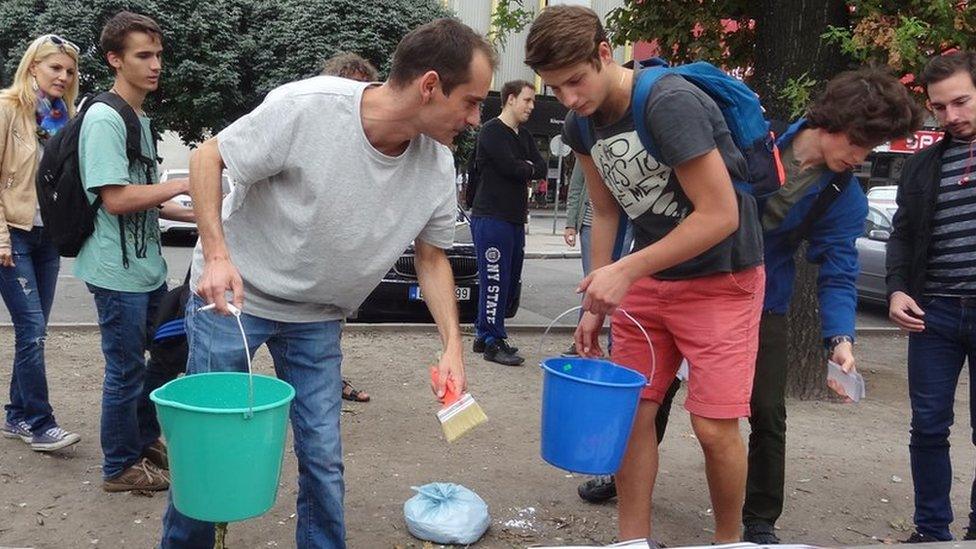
514, 87
562, 36
346, 64
941, 67
445, 46
121, 25
868, 105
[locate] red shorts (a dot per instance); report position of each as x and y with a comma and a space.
713, 321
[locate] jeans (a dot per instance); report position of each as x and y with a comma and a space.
767, 438
500, 246
27, 289
128, 424
307, 356
935, 359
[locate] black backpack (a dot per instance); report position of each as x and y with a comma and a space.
68, 217
168, 349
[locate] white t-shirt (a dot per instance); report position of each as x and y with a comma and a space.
318, 215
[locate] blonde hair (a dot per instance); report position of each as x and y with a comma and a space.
21, 93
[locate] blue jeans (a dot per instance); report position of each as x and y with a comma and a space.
500, 246
935, 360
28, 292
128, 417
306, 355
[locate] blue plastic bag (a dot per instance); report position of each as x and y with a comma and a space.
446, 513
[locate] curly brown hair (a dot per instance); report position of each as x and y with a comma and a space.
869, 105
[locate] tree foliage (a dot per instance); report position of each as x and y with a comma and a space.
222, 56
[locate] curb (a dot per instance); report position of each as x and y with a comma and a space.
466, 329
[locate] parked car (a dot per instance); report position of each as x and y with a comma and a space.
871, 251
167, 226
398, 297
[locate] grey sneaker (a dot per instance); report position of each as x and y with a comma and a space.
19, 429
53, 439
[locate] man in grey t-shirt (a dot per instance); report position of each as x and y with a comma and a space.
335, 178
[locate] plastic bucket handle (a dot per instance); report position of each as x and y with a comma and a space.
650, 378
247, 355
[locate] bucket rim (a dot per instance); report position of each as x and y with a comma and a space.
155, 397
632, 385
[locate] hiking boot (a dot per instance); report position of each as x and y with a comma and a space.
53, 439
571, 352
157, 454
479, 346
18, 429
917, 537
141, 476
498, 351
760, 533
598, 489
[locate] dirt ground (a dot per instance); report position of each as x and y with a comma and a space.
848, 479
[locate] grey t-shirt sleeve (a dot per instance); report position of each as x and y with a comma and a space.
257, 145
571, 134
439, 231
679, 121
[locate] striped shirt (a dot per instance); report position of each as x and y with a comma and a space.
952, 252
587, 215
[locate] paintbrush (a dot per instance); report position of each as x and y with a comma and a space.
460, 413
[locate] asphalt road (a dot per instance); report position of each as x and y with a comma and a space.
548, 291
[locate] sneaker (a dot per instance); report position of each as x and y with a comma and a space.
479, 346
510, 348
53, 439
498, 351
571, 352
598, 489
760, 533
141, 476
18, 429
970, 534
157, 454
917, 537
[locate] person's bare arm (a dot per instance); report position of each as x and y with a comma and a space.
175, 212
437, 285
125, 199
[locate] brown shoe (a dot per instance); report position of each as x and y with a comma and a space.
157, 454
141, 476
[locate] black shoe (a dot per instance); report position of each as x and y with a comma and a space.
919, 538
598, 489
970, 534
497, 351
509, 348
571, 352
479, 346
760, 533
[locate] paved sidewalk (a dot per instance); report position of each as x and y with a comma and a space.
540, 243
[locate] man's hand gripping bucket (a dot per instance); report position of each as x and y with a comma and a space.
588, 408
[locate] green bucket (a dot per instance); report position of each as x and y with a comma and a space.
224, 455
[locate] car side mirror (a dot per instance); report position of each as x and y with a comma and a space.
879, 235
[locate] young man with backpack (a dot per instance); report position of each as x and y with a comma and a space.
695, 280
121, 262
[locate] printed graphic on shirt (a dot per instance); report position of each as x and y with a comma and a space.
494, 285
638, 181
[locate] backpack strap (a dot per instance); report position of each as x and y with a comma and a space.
838, 183
646, 79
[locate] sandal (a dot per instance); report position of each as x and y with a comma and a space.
351, 393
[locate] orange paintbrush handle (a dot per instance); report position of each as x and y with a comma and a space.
450, 392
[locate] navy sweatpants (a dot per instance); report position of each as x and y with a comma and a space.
500, 246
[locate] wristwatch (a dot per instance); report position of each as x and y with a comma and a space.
833, 342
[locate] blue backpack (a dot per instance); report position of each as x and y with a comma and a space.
739, 105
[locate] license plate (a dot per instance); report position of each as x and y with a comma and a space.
461, 293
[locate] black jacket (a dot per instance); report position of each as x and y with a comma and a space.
507, 162
907, 251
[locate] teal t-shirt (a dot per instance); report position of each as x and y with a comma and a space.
102, 159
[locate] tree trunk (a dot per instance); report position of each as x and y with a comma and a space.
788, 45
807, 366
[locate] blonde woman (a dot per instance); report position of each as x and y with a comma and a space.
35, 107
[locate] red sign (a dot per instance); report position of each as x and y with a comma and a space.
917, 142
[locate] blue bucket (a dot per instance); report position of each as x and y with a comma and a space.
588, 410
